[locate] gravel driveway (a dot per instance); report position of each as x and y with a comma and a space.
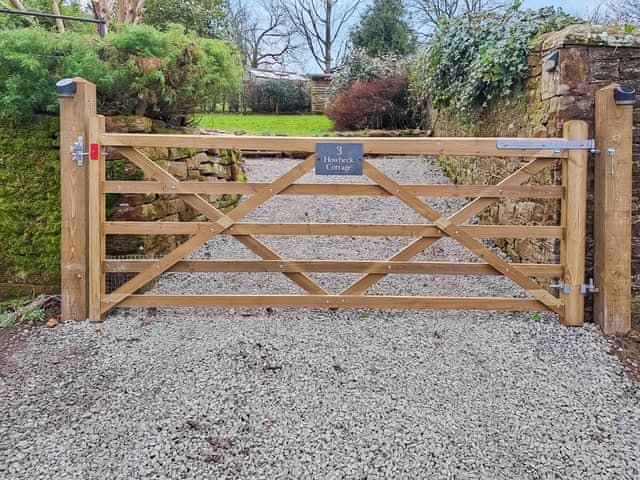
314, 394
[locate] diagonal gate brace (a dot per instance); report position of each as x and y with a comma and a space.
453, 230
220, 223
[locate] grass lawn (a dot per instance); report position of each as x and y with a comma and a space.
294, 125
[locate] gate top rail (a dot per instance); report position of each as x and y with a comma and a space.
466, 146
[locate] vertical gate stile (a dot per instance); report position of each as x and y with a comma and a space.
574, 213
97, 218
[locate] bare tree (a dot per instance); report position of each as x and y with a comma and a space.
429, 12
599, 14
625, 11
264, 35
320, 24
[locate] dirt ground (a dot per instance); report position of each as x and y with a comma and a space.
627, 349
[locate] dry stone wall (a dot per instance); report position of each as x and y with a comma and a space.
588, 58
184, 164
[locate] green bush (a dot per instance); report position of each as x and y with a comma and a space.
278, 96
476, 57
139, 70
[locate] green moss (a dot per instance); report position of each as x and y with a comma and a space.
30, 203
133, 123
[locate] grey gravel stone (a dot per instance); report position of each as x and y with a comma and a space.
347, 394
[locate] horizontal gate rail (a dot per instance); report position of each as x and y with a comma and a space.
522, 191
467, 146
329, 266
335, 301
333, 229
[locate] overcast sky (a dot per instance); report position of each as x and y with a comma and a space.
579, 8
574, 7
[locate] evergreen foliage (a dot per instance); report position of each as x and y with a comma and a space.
383, 30
139, 70
278, 96
206, 18
476, 57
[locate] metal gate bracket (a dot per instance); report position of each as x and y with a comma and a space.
77, 151
566, 289
589, 288
555, 144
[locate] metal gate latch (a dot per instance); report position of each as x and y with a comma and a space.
589, 288
77, 151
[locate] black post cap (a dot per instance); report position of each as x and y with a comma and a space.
624, 95
66, 87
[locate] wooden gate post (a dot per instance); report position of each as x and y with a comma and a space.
574, 221
77, 104
612, 211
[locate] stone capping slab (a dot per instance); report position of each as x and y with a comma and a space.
589, 35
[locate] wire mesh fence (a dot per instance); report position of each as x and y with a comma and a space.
114, 280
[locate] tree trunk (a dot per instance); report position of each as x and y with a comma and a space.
129, 11
56, 10
17, 4
327, 39
102, 9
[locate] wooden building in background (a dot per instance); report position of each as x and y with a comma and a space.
319, 91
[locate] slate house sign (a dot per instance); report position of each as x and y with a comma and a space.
339, 158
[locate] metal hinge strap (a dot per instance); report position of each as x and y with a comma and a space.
546, 144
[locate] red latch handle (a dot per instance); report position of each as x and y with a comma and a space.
94, 151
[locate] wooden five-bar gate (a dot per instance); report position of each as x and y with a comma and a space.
567, 300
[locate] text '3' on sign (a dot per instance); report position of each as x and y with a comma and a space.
339, 158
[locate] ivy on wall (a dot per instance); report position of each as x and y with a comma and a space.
477, 57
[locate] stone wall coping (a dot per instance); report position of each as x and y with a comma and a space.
590, 35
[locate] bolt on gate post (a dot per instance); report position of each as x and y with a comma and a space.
77, 105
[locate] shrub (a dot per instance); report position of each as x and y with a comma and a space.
278, 96
476, 57
140, 70
358, 66
380, 103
